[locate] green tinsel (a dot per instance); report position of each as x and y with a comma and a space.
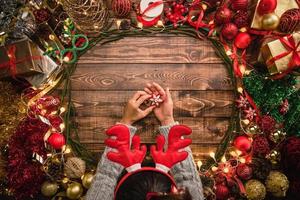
269, 94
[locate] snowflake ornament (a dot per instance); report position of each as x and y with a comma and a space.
242, 102
155, 100
250, 113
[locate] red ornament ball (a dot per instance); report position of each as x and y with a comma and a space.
242, 143
242, 40
260, 146
244, 171
57, 140
290, 20
239, 5
229, 31
241, 19
266, 6
222, 192
121, 8
223, 15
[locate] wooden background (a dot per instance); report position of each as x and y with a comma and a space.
108, 75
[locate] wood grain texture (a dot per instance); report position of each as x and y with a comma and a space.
153, 50
186, 103
205, 130
134, 76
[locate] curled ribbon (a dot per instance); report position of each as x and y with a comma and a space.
154, 20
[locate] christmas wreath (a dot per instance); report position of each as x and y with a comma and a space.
42, 157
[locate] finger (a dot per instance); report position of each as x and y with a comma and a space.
152, 88
160, 142
148, 90
148, 110
168, 94
181, 156
159, 89
112, 143
136, 141
137, 95
114, 156
143, 98
182, 143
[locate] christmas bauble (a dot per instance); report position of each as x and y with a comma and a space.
255, 190
222, 192
270, 21
223, 15
242, 143
241, 19
266, 6
57, 140
229, 31
87, 180
242, 40
74, 190
290, 20
49, 189
244, 171
121, 8
277, 184
239, 5
74, 167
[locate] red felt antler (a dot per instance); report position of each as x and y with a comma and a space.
120, 140
174, 153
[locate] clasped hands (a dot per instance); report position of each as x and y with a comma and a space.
163, 112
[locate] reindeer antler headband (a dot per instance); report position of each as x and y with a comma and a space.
131, 159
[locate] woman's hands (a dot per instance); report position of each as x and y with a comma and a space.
132, 112
164, 112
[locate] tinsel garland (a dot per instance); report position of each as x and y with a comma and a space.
25, 175
269, 94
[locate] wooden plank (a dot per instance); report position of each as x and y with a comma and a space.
200, 151
133, 76
205, 130
153, 50
186, 103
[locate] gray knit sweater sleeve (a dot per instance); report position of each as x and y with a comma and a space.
185, 173
106, 176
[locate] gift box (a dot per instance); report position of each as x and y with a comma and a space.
281, 54
23, 59
282, 6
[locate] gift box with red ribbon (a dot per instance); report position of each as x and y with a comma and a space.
23, 59
282, 55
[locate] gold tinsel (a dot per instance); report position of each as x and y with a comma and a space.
11, 111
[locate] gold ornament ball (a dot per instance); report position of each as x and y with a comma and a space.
65, 182
255, 190
87, 180
277, 184
74, 190
270, 21
49, 189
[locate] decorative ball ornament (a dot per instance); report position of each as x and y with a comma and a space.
289, 20
274, 157
74, 190
266, 6
87, 180
222, 192
229, 31
57, 140
74, 167
277, 184
121, 8
244, 171
242, 143
255, 190
239, 5
270, 21
241, 19
223, 15
242, 40
49, 189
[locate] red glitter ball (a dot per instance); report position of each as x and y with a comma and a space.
260, 146
241, 19
223, 15
229, 31
244, 171
239, 5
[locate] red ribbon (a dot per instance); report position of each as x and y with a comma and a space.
12, 63
153, 21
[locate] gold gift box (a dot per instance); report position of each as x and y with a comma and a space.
274, 48
282, 6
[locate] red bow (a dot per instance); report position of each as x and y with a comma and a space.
11, 64
291, 47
